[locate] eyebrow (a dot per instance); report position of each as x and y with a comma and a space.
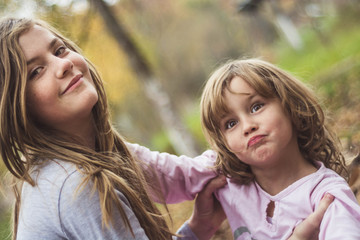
249, 97
241, 93
51, 45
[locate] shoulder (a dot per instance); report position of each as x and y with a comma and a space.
49, 179
79, 207
326, 180
342, 218
61, 207
53, 180
39, 203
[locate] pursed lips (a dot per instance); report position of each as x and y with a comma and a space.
72, 82
254, 140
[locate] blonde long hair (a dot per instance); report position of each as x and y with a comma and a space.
316, 141
23, 142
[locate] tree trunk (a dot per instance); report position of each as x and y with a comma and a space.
180, 138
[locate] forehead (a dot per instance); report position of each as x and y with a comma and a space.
238, 85
35, 39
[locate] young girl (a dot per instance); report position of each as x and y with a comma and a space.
270, 139
75, 178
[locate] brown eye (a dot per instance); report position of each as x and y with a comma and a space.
35, 72
60, 51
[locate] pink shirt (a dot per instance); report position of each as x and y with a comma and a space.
245, 205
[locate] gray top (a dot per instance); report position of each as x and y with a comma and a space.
53, 209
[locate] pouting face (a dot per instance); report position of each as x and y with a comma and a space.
257, 129
60, 90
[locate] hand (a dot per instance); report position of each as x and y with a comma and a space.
309, 228
208, 213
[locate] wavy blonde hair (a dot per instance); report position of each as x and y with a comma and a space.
316, 141
23, 142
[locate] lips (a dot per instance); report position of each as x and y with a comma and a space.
255, 140
73, 81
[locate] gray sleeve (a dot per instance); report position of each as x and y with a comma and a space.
80, 214
185, 233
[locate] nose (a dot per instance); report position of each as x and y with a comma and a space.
249, 126
64, 66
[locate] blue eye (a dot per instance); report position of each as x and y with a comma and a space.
256, 107
230, 124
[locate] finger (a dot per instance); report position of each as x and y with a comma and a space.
214, 184
319, 212
309, 228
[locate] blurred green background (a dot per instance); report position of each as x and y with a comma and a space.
183, 41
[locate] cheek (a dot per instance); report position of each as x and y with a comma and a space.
38, 102
288, 134
40, 93
234, 142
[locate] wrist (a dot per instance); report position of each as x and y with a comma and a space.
201, 229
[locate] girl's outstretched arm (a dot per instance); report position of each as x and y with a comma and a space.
180, 178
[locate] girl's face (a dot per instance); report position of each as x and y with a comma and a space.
60, 90
257, 129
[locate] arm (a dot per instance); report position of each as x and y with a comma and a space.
180, 177
342, 218
207, 215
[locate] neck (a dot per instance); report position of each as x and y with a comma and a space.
278, 177
88, 135
83, 130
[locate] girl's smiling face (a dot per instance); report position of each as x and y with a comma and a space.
60, 90
257, 129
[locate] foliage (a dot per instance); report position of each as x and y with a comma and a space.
330, 63
185, 40
5, 232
